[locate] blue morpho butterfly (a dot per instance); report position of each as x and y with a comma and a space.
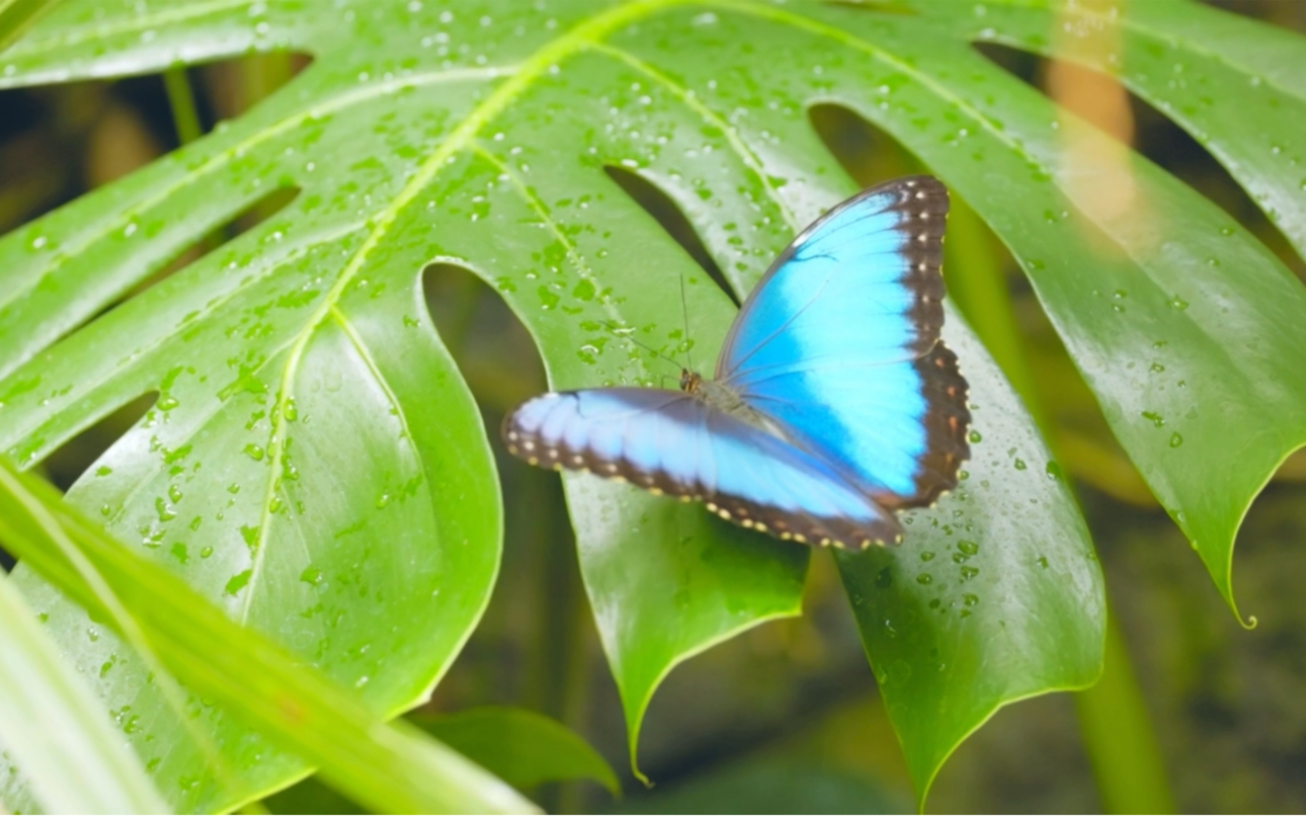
835, 404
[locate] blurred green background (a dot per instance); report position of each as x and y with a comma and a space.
785, 718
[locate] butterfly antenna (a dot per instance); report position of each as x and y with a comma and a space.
684, 313
616, 331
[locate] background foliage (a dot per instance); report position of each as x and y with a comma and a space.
246, 321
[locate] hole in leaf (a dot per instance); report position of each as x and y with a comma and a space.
225, 228
866, 153
498, 359
67, 463
1148, 131
486, 339
669, 216
57, 142
874, 6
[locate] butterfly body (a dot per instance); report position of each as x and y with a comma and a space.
834, 403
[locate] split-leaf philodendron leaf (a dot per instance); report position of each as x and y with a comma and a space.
315, 463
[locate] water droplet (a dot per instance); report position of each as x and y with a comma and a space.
924, 579
238, 582
968, 573
1155, 418
968, 547
974, 437
969, 599
382, 500
927, 556
1043, 561
1020, 464
1178, 304
165, 512
254, 452
1176, 440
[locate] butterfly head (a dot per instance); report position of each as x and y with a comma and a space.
690, 381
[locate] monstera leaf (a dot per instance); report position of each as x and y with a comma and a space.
314, 461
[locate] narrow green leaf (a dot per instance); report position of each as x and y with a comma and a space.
16, 16
54, 729
387, 767
520, 747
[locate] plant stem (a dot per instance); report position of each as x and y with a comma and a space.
1117, 733
182, 101
1126, 759
564, 615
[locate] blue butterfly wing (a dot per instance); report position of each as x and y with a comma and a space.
839, 344
673, 443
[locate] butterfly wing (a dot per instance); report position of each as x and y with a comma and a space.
671, 442
839, 343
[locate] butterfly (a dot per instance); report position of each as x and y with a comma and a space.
834, 404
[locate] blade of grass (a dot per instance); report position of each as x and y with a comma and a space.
55, 729
387, 767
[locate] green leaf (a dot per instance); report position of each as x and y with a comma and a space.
1184, 325
55, 730
520, 747
995, 594
478, 135
229, 668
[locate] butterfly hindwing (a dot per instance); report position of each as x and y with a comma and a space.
670, 442
839, 343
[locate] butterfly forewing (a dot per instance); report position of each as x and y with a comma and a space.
839, 344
